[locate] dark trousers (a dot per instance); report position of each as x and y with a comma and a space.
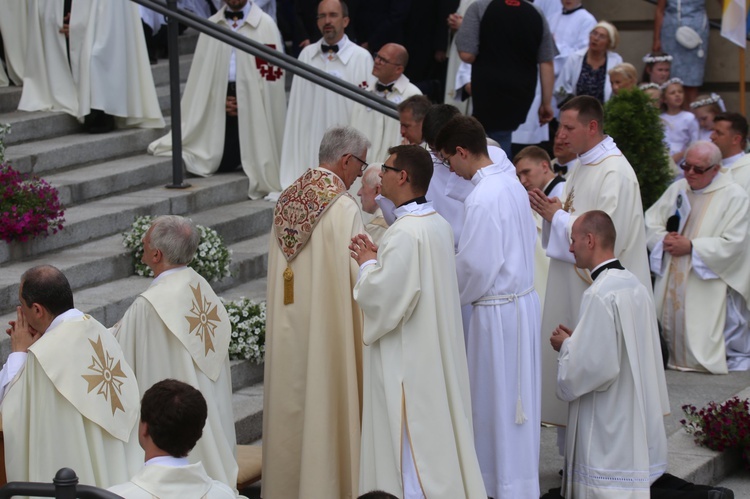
231, 159
666, 487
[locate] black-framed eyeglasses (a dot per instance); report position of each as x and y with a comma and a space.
364, 163
379, 58
446, 160
384, 168
686, 167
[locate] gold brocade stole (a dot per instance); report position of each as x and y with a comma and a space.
297, 212
673, 311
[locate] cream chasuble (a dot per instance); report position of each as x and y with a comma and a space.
13, 29
610, 370
155, 481
313, 109
382, 131
601, 180
77, 410
495, 267
740, 171
178, 328
261, 106
313, 364
692, 310
376, 227
109, 67
415, 372
454, 61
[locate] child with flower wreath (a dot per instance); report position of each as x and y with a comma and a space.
680, 127
705, 110
658, 67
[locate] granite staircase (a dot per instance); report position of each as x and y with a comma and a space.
107, 180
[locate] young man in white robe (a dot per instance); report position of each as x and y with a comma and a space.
502, 343
173, 414
313, 363
698, 234
109, 71
730, 135
601, 180
178, 328
312, 108
70, 398
417, 438
244, 126
611, 373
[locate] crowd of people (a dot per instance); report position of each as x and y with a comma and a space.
414, 350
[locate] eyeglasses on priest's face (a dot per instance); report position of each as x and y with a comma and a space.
364, 163
382, 60
445, 159
384, 168
699, 170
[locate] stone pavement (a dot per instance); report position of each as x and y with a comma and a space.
686, 459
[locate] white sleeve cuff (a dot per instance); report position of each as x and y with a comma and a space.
700, 268
558, 241
362, 267
656, 259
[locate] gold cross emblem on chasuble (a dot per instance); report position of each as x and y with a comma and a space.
204, 319
108, 378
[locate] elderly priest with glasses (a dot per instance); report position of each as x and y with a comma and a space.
698, 236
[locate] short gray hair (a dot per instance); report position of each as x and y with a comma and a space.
339, 141
707, 149
176, 237
370, 177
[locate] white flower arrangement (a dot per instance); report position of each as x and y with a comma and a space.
248, 320
211, 260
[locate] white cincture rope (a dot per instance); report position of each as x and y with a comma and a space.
487, 301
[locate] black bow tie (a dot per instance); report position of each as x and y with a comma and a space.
234, 15
560, 169
383, 88
329, 48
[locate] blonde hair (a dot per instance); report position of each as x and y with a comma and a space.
626, 70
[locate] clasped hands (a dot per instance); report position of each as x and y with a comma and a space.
677, 245
560, 334
546, 207
22, 335
362, 249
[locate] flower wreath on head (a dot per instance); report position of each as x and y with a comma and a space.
712, 99
649, 86
670, 82
653, 59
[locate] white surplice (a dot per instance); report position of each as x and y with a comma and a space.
495, 266
162, 336
601, 180
740, 170
610, 370
571, 32
109, 67
155, 480
261, 106
383, 131
78, 409
691, 290
313, 109
415, 370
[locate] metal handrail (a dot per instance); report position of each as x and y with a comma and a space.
276, 58
64, 486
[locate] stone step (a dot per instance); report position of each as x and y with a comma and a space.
107, 302
106, 259
115, 214
26, 126
160, 70
44, 157
111, 177
247, 404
